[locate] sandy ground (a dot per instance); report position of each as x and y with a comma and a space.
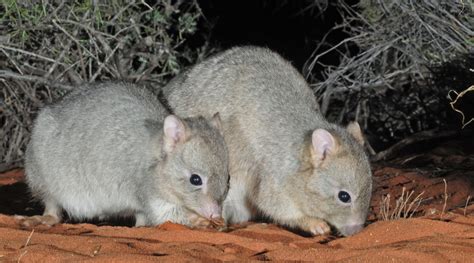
440, 230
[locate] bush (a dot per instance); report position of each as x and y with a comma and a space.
386, 64
47, 47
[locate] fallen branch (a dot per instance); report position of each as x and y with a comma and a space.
28, 53
417, 137
12, 75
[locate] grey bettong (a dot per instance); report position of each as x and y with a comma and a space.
112, 149
286, 161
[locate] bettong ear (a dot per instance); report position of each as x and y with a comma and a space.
174, 132
323, 145
354, 129
216, 121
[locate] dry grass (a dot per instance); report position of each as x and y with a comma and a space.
467, 203
386, 64
405, 206
24, 247
445, 198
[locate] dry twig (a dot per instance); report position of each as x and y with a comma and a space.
453, 102
405, 207
418, 137
445, 198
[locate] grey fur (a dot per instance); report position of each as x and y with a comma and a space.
99, 152
268, 114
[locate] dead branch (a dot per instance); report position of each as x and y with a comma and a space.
12, 75
418, 137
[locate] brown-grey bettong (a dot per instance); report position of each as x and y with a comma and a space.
287, 162
112, 149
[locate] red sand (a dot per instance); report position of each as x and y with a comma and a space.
425, 238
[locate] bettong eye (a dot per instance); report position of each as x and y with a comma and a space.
195, 179
344, 196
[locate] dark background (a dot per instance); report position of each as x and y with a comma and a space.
292, 28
